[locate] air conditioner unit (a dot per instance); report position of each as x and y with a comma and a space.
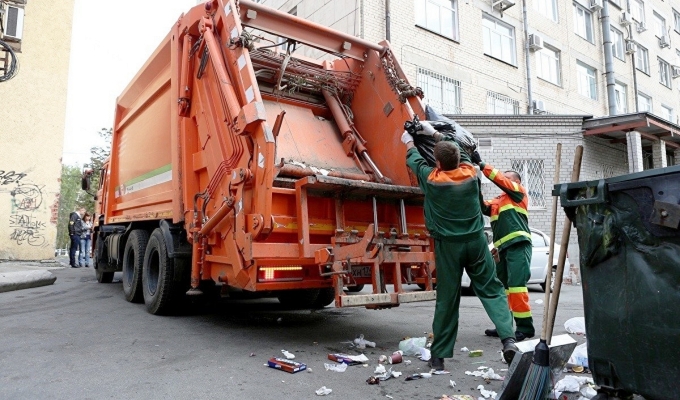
535, 42
13, 22
664, 41
626, 18
596, 5
675, 71
641, 27
631, 47
539, 105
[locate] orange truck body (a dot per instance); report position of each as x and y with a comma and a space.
264, 171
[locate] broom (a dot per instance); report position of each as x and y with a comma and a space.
537, 381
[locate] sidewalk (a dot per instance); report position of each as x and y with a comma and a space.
16, 275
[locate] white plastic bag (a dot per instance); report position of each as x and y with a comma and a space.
580, 356
576, 325
411, 346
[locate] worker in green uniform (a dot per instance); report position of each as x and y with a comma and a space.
453, 217
512, 238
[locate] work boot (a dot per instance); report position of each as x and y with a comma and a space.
491, 332
75, 266
509, 349
519, 336
436, 363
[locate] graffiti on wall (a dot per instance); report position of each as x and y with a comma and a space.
25, 199
7, 177
26, 229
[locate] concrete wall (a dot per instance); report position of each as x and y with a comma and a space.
32, 117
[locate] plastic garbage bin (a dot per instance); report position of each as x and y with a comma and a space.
630, 267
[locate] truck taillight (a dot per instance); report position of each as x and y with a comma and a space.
283, 273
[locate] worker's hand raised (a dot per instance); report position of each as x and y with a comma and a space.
406, 138
475, 157
428, 129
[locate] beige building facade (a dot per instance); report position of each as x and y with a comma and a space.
32, 118
476, 57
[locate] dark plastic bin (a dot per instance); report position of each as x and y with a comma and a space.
629, 245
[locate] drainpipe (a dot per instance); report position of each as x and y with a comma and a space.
387, 20
526, 57
632, 63
608, 58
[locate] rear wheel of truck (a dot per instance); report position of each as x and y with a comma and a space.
157, 275
300, 298
104, 277
326, 297
355, 288
133, 259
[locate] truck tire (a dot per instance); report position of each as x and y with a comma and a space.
299, 298
354, 288
133, 259
157, 275
104, 277
326, 297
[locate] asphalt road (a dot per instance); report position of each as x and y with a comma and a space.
79, 339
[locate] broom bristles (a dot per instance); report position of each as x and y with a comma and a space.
536, 384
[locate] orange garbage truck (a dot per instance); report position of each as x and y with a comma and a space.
238, 165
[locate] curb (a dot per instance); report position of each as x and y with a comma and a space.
18, 280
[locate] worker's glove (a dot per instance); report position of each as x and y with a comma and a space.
428, 129
475, 157
406, 137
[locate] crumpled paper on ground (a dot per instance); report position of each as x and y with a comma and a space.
571, 383
487, 394
323, 391
424, 354
485, 373
288, 354
342, 367
361, 343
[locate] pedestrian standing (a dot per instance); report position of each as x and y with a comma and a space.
85, 241
75, 230
453, 217
512, 238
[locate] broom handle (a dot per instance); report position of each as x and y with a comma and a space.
566, 231
553, 222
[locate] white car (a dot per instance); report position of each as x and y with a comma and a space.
539, 258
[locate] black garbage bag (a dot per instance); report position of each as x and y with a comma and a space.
449, 127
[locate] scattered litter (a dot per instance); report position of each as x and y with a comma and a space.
576, 325
397, 374
286, 365
411, 346
252, 354
279, 320
383, 376
342, 367
452, 383
323, 391
539, 301
288, 354
373, 381
588, 392
407, 362
424, 354
380, 369
382, 359
361, 343
464, 349
418, 376
579, 356
485, 373
396, 357
487, 394
504, 369
348, 359
309, 370
571, 383
388, 396
442, 372
476, 353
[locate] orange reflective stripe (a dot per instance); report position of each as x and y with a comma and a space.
519, 302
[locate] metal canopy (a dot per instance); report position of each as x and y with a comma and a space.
650, 127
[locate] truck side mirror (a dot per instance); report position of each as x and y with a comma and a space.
85, 183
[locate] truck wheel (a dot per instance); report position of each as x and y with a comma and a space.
133, 259
326, 297
301, 298
104, 277
353, 289
157, 275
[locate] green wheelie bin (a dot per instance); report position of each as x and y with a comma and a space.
629, 245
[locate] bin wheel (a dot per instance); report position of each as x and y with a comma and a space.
354, 288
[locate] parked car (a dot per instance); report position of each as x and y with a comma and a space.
539, 258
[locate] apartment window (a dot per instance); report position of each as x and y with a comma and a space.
547, 7
439, 16
670, 159
644, 103
587, 84
548, 68
664, 73
642, 59
497, 103
637, 10
676, 20
659, 25
533, 180
441, 92
583, 23
667, 113
499, 39
618, 44
621, 98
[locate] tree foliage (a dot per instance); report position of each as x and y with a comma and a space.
71, 194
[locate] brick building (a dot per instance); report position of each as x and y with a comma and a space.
32, 119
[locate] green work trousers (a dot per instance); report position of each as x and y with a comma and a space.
514, 271
474, 256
